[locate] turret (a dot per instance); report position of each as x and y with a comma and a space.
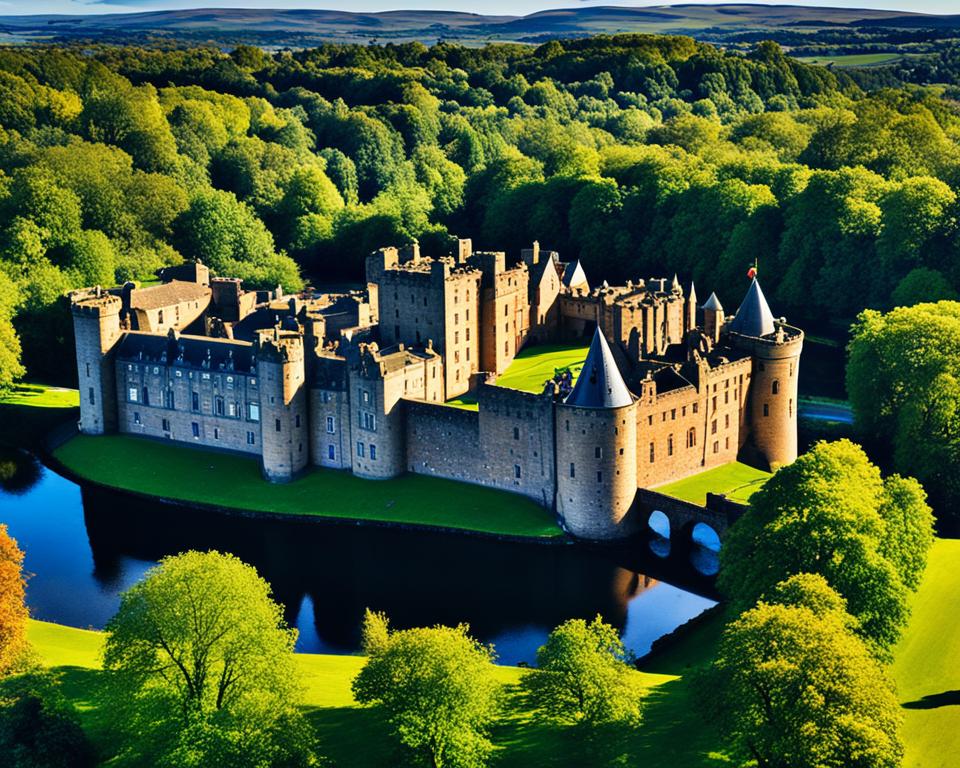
96, 330
690, 310
775, 348
284, 440
597, 450
712, 318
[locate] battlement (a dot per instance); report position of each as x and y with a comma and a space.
94, 302
279, 346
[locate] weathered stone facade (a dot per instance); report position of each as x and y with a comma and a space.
359, 381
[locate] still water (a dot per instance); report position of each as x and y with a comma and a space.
85, 546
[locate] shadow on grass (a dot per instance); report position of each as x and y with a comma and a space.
935, 701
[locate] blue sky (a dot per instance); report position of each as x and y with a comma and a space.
512, 7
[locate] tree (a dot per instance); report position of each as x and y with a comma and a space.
437, 689
13, 610
793, 687
10, 366
201, 666
38, 728
908, 531
583, 676
921, 285
822, 515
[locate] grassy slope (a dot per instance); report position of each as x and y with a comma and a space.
738, 481
927, 664
355, 736
180, 472
41, 396
534, 365
30, 411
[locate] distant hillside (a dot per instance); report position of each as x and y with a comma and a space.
298, 28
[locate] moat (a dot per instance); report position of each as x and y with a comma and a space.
84, 547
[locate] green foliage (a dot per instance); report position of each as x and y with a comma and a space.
437, 690
584, 676
793, 687
202, 668
902, 376
827, 514
38, 728
374, 632
10, 367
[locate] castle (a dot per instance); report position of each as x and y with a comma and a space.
359, 380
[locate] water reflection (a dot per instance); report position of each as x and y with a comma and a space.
85, 547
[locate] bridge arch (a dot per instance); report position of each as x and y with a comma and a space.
659, 523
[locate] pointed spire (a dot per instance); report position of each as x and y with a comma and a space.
754, 317
675, 287
600, 384
692, 295
713, 303
574, 276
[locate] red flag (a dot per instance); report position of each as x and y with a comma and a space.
752, 272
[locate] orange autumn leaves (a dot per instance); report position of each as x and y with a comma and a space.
13, 611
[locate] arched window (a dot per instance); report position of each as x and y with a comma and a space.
776, 387
691, 437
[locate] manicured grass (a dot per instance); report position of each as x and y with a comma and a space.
535, 365
738, 481
355, 736
467, 402
177, 471
853, 59
41, 396
927, 664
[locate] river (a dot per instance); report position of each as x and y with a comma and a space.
84, 546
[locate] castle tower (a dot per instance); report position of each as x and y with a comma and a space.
596, 437
712, 318
690, 310
284, 441
96, 330
775, 348
379, 432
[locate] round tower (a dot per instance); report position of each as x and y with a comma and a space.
596, 436
96, 331
284, 441
775, 348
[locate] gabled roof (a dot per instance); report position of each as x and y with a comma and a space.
754, 317
600, 384
168, 295
713, 303
574, 275
198, 352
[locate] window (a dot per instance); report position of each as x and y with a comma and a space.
216, 433
691, 437
165, 424
218, 406
568, 425
332, 452
673, 414
254, 409
132, 394
232, 409
136, 417
696, 407
250, 438
373, 452
277, 425
516, 433
88, 370
669, 445
716, 446
599, 477
726, 397
714, 402
330, 427
368, 420
360, 450
365, 395
726, 421
713, 427
775, 387
168, 398
766, 409
195, 428
160, 316
598, 452
516, 471
468, 335
650, 420
506, 310
653, 453
146, 396
297, 420
573, 470
790, 408
195, 401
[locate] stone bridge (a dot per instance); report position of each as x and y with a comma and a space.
719, 513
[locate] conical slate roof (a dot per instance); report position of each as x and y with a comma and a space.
754, 317
600, 384
713, 303
574, 275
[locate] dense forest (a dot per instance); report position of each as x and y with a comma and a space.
637, 154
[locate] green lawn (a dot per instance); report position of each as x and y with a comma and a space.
853, 59
738, 481
175, 471
355, 736
927, 664
41, 396
30, 411
534, 365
